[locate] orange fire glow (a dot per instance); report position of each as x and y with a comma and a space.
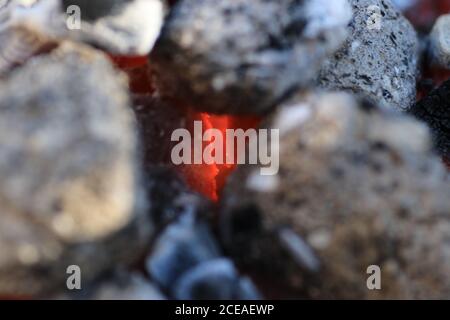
209, 180
206, 179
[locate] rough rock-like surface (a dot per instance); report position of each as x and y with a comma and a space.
357, 186
244, 56
434, 109
379, 59
440, 41
69, 192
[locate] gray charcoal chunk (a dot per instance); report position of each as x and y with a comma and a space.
184, 244
69, 192
379, 59
124, 27
440, 41
215, 280
242, 56
357, 186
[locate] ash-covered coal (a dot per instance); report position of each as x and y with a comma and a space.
440, 42
69, 192
242, 57
380, 58
186, 259
127, 27
357, 187
434, 109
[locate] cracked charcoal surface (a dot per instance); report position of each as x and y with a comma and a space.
435, 111
380, 64
440, 41
242, 56
357, 186
69, 191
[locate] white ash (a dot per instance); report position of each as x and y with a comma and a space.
70, 194
380, 58
357, 186
130, 29
440, 42
244, 56
117, 26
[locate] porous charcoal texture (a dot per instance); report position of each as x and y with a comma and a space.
440, 42
435, 111
243, 56
69, 192
357, 187
379, 59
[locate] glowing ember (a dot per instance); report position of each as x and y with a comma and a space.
210, 179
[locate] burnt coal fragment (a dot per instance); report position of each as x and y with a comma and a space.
357, 186
215, 280
186, 260
242, 57
434, 109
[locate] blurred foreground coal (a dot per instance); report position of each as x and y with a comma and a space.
70, 194
357, 187
186, 261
